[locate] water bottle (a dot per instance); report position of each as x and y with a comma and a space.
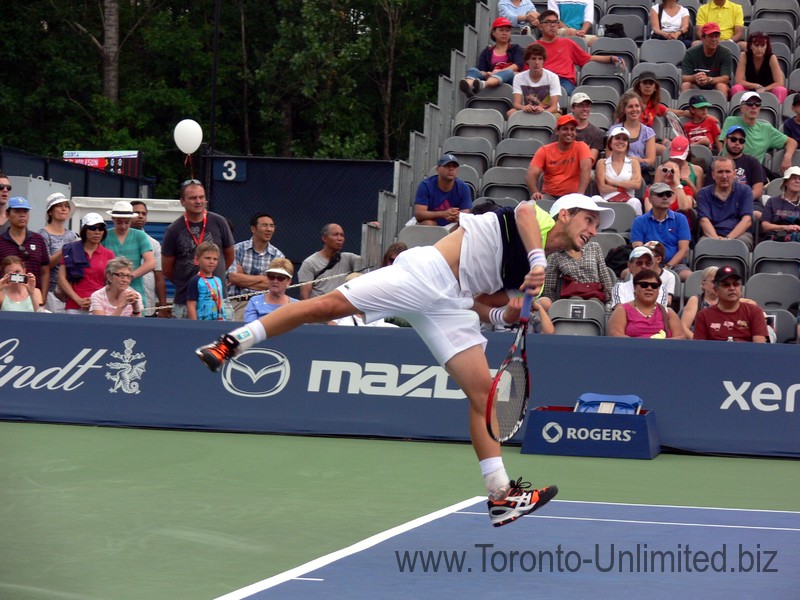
601, 30
730, 338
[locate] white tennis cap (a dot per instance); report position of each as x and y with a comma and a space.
584, 203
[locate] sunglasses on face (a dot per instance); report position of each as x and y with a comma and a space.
666, 170
749, 103
96, 227
273, 277
737, 140
5, 186
653, 285
663, 194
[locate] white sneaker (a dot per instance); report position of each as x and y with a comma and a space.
518, 502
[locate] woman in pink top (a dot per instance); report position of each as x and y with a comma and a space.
117, 298
83, 268
644, 317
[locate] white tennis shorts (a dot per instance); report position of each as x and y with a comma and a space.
420, 288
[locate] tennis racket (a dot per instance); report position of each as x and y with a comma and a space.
508, 398
675, 125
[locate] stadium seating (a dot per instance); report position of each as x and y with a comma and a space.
506, 182
777, 257
522, 125
421, 235
781, 10
712, 252
578, 317
516, 152
773, 290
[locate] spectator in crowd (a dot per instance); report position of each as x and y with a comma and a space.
591, 135
690, 175
5, 194
759, 70
761, 136
667, 277
707, 66
749, 170
55, 234
131, 243
649, 90
204, 296
497, 64
279, 276
586, 265
441, 198
117, 298
670, 21
566, 164
707, 297
392, 252
640, 258
564, 55
618, 176
18, 240
725, 208
781, 219
682, 198
155, 285
642, 146
664, 225
575, 18
18, 291
521, 13
182, 237
328, 262
536, 89
730, 319
727, 16
645, 316
702, 129
791, 126
83, 268
252, 258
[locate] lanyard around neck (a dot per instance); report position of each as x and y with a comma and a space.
202, 231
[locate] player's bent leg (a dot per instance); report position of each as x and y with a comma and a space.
508, 500
321, 309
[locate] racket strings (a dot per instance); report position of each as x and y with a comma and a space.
509, 398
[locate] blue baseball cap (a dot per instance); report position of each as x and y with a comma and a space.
18, 202
447, 159
734, 129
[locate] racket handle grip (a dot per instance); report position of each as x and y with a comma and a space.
525, 312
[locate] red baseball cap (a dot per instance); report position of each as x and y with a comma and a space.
501, 22
679, 148
566, 120
709, 28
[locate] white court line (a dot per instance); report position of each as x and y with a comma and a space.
791, 512
464, 512
345, 552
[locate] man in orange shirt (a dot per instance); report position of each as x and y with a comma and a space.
566, 164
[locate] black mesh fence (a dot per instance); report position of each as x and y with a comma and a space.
302, 195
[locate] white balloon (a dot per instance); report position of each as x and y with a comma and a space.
188, 136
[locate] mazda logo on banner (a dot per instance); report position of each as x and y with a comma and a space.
552, 432
256, 373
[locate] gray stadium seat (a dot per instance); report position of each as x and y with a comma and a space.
421, 235
777, 257
691, 287
595, 73
609, 240
623, 217
506, 182
635, 28
578, 317
516, 152
773, 290
623, 47
522, 125
782, 10
711, 252
473, 151
785, 326
480, 122
500, 98
670, 51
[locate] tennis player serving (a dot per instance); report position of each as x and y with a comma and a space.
472, 274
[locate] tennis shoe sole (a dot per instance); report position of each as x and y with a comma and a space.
519, 503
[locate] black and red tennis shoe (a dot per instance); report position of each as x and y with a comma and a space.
216, 353
518, 502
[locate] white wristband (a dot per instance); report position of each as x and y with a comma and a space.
496, 317
536, 258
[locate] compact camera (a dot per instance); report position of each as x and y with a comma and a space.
18, 278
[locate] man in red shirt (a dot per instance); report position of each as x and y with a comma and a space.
731, 319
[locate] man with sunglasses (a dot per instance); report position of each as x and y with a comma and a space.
731, 319
749, 170
666, 226
5, 193
195, 226
725, 208
18, 240
761, 136
640, 258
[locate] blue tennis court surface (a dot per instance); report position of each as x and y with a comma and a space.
568, 550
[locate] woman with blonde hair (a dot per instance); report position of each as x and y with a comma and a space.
642, 138
117, 298
279, 274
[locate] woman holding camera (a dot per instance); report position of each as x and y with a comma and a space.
18, 291
117, 298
